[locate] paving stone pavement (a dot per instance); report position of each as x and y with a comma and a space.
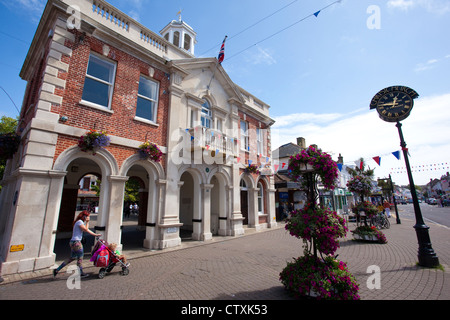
247, 268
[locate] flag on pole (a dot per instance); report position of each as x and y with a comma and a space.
222, 51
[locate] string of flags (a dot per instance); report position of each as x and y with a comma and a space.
423, 168
266, 162
360, 163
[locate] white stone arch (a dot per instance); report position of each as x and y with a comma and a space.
152, 167
249, 208
155, 184
108, 168
195, 196
220, 206
103, 158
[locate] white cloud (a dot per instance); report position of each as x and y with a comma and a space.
400, 4
430, 64
432, 6
364, 134
33, 8
262, 56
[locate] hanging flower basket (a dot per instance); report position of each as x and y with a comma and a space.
252, 168
360, 185
314, 160
149, 150
93, 141
9, 144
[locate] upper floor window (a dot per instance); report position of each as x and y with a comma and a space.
206, 114
259, 141
99, 81
147, 102
244, 136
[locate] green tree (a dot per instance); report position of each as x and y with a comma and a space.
7, 125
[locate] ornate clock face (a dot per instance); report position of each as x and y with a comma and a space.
394, 103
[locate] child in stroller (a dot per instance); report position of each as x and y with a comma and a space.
105, 257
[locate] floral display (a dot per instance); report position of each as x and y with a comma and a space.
321, 163
9, 144
366, 232
252, 168
149, 150
327, 279
321, 225
93, 141
369, 209
360, 184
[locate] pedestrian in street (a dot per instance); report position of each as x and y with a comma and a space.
80, 225
387, 208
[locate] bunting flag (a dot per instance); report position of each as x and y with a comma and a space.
397, 154
316, 13
359, 164
222, 51
377, 159
340, 166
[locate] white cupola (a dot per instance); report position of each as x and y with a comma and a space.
180, 34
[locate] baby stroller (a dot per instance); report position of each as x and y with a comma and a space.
106, 260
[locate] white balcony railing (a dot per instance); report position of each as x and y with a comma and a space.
213, 140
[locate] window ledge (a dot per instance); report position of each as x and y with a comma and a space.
146, 121
95, 106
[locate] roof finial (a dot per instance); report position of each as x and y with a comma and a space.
179, 14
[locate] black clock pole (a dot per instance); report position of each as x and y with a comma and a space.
426, 254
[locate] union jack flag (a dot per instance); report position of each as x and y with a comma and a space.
222, 51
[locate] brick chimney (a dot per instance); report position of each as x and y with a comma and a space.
301, 142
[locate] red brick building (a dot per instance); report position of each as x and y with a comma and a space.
90, 66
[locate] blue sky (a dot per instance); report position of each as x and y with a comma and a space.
318, 74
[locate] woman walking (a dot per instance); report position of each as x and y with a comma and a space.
80, 225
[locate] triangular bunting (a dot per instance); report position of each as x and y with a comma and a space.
316, 13
339, 166
396, 154
377, 159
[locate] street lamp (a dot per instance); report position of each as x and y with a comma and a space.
393, 105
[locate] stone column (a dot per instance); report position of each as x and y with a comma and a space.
113, 232
206, 212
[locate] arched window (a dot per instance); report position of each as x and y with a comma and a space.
176, 38
206, 114
187, 42
260, 198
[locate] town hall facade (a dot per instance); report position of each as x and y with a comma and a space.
92, 67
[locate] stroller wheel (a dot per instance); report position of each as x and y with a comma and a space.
101, 273
125, 271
